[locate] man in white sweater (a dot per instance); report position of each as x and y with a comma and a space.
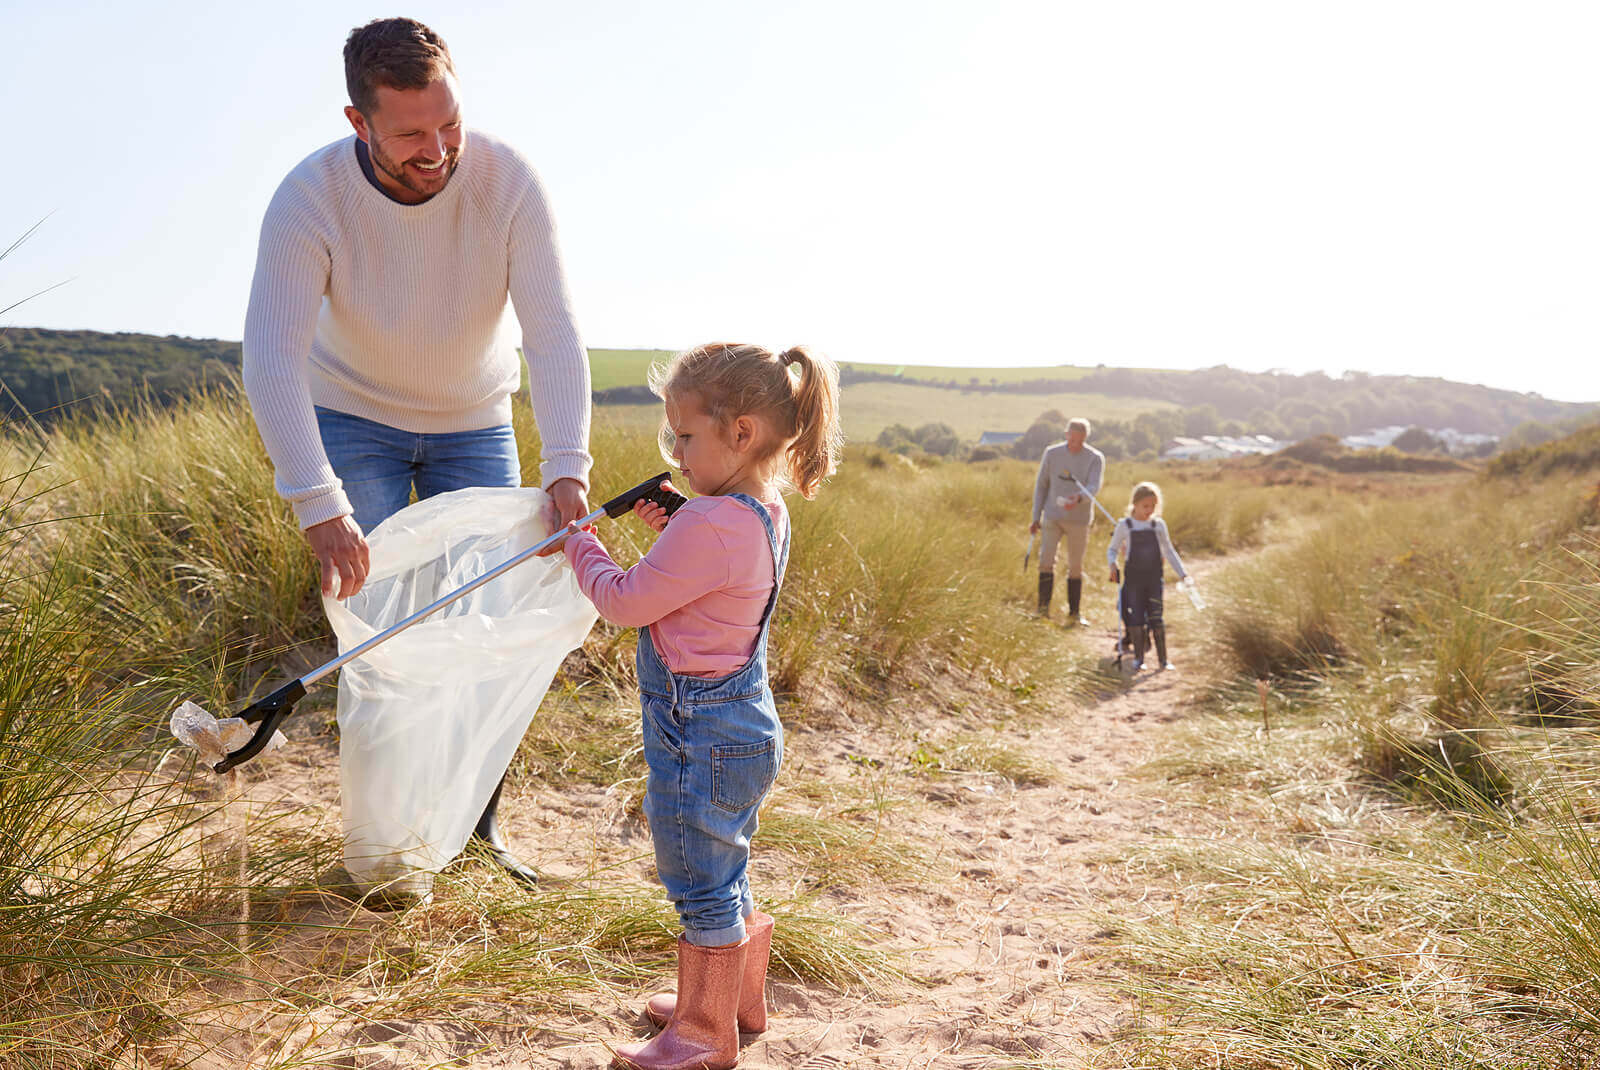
373, 356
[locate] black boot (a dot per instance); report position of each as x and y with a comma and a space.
1158, 632
1137, 642
1074, 597
487, 835
1047, 585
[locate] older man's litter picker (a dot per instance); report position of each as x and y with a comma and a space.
269, 712
1091, 497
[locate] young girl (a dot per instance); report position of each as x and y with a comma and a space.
1145, 534
744, 425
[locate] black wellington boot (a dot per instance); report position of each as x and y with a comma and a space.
1074, 597
487, 835
1138, 642
1158, 632
1047, 586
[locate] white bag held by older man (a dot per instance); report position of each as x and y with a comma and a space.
430, 719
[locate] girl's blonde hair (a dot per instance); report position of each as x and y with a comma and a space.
1142, 491
732, 379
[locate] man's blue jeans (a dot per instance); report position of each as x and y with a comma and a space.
380, 464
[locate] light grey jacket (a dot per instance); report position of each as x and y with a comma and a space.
1087, 466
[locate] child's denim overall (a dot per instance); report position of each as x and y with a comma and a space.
713, 747
1142, 602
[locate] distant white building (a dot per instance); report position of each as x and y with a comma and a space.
1464, 442
998, 438
1375, 439
1456, 442
1218, 447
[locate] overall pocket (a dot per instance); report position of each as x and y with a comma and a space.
661, 728
742, 773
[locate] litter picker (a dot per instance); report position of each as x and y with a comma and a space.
267, 713
1091, 497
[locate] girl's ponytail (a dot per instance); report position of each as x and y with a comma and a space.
814, 453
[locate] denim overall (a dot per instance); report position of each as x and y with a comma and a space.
713, 747
1141, 580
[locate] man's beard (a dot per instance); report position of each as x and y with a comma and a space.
397, 170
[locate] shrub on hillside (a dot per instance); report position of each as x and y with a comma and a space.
1577, 452
1328, 452
938, 439
1037, 438
1417, 440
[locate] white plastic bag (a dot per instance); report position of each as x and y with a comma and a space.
429, 720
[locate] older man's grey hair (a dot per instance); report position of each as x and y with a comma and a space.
1078, 423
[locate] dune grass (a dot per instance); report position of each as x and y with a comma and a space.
1408, 878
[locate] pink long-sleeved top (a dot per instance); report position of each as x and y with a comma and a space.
701, 589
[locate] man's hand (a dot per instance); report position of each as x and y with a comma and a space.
1033, 528
1071, 500
572, 502
340, 547
568, 502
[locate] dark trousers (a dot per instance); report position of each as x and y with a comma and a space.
1142, 601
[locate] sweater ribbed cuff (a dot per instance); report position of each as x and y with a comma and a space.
570, 466
321, 508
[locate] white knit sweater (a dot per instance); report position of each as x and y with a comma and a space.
392, 312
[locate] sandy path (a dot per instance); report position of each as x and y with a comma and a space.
1011, 942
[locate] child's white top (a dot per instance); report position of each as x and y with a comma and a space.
1119, 538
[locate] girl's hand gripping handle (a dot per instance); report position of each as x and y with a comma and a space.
655, 490
652, 512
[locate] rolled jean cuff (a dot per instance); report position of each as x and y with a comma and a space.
733, 934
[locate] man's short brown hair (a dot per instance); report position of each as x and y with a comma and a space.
398, 53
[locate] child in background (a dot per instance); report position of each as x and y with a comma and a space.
1145, 535
745, 425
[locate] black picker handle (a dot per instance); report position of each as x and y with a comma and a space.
648, 491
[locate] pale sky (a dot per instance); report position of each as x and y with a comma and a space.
1398, 187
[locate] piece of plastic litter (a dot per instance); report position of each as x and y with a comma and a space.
1187, 586
195, 727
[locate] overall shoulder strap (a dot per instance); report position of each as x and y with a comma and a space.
780, 555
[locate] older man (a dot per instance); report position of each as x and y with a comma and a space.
1063, 509
373, 356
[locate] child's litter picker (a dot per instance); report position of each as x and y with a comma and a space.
269, 712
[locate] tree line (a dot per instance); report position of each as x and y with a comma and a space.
1224, 400
47, 374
